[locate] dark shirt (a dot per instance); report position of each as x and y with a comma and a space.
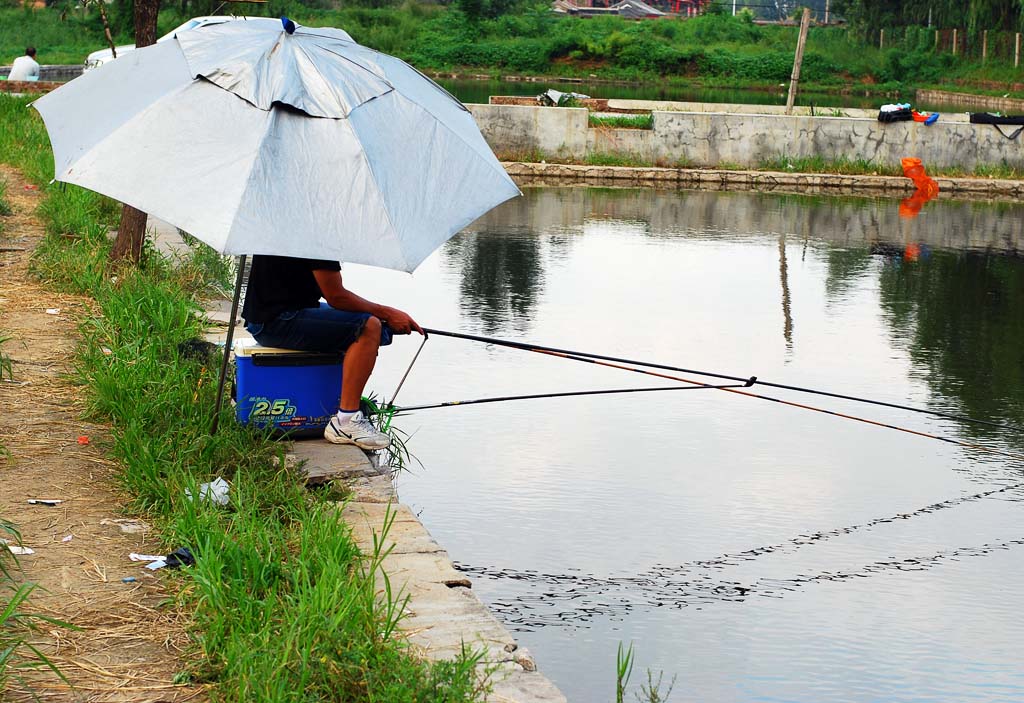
280, 284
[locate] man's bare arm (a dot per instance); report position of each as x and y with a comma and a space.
341, 298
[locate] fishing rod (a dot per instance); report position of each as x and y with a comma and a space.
555, 351
600, 361
452, 403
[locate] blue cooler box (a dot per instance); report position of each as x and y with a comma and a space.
293, 392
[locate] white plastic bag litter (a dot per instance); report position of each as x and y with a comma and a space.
215, 491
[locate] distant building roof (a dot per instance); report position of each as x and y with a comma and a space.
636, 9
632, 9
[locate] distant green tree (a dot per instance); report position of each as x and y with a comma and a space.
869, 16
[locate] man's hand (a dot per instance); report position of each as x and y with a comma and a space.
398, 321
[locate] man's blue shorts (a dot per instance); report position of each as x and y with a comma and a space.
321, 329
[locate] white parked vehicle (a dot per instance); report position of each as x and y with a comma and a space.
98, 58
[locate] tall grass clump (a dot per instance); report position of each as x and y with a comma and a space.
5, 204
622, 121
284, 606
17, 624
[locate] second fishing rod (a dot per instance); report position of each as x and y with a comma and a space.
746, 382
582, 356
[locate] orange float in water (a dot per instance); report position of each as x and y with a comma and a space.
927, 188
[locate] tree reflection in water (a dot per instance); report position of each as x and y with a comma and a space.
502, 274
960, 315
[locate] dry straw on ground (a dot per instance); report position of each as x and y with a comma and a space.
131, 639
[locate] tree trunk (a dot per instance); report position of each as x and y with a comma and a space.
132, 231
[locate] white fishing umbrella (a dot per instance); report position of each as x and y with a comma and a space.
260, 137
261, 140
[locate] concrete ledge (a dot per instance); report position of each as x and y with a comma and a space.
33, 87
709, 139
442, 614
780, 181
320, 461
978, 102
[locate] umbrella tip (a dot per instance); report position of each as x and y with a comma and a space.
289, 26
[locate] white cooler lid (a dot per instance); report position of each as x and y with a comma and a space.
250, 347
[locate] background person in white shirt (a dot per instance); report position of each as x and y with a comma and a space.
25, 67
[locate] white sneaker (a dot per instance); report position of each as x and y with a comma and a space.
358, 431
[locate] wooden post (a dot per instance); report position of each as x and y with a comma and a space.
984, 46
1016, 50
936, 40
954, 41
805, 22
826, 12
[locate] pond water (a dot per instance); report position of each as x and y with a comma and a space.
753, 551
479, 91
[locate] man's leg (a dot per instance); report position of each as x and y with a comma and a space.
360, 358
349, 426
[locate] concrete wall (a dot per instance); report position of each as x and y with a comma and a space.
975, 102
745, 140
519, 129
49, 72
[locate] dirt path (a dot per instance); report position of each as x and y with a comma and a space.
131, 642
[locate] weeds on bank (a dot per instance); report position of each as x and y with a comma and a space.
17, 625
622, 121
5, 205
284, 606
653, 691
818, 164
863, 167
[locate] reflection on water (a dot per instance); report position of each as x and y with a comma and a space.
758, 552
502, 275
960, 315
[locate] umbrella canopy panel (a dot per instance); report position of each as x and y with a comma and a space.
322, 72
255, 172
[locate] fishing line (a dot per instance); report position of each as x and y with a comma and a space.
540, 348
606, 361
406, 374
452, 403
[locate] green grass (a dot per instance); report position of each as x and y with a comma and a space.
623, 121
813, 164
5, 205
712, 50
817, 164
862, 167
18, 625
284, 606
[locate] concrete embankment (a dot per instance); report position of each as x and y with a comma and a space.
50, 78
441, 612
744, 140
555, 174
968, 100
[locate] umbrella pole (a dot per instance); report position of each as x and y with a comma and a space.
227, 344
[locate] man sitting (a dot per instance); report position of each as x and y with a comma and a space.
25, 67
283, 309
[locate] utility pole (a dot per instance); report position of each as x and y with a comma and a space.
826, 12
733, 8
805, 22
